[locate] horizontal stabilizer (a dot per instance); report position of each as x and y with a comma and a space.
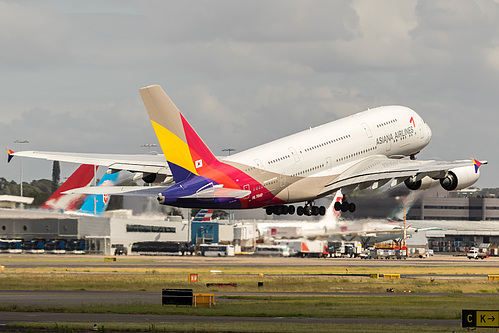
138, 191
218, 191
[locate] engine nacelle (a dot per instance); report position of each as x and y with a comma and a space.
422, 184
153, 178
460, 178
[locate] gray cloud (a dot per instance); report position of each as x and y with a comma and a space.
246, 72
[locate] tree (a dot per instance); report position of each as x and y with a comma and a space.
56, 175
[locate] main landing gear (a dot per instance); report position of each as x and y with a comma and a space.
307, 210
344, 206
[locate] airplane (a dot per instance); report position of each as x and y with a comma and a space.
366, 150
332, 227
96, 204
82, 176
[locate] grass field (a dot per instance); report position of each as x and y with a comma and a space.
275, 280
454, 296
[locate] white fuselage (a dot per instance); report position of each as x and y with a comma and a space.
384, 130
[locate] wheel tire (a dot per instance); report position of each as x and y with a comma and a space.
308, 210
351, 207
337, 206
299, 211
322, 210
344, 206
284, 210
269, 210
291, 210
315, 210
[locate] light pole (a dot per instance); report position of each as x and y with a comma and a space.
149, 146
21, 141
229, 150
230, 212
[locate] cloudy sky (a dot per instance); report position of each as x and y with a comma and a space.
244, 72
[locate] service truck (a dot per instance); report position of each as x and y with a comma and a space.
477, 253
304, 247
338, 249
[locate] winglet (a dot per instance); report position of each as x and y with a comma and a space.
477, 164
11, 154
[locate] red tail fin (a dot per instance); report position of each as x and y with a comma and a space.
80, 178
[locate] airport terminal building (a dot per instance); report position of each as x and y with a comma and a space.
99, 234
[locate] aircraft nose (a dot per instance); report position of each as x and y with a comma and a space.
428, 131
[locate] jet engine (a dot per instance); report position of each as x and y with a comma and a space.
150, 177
422, 184
460, 178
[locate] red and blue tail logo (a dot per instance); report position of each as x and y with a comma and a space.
10, 152
203, 215
477, 164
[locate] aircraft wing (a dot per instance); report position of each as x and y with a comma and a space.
378, 170
147, 163
137, 191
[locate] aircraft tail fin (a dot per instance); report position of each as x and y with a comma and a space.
203, 215
97, 203
80, 178
186, 153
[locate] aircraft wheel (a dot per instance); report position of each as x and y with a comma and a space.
344, 206
315, 210
277, 210
269, 210
291, 209
284, 210
308, 210
299, 211
337, 206
351, 207
322, 210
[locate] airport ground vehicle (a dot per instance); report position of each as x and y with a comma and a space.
338, 249
75, 246
304, 247
55, 246
11, 245
215, 250
162, 247
477, 253
272, 250
36, 245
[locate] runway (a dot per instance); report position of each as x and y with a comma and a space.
72, 298
91, 318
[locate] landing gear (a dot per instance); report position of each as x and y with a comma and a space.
280, 210
307, 210
344, 206
310, 210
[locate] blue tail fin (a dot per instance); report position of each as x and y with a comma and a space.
98, 203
